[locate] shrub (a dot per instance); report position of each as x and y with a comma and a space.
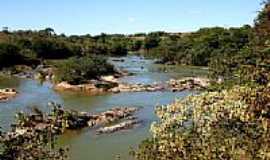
232, 124
79, 70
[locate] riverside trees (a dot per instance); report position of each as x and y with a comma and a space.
79, 70
230, 123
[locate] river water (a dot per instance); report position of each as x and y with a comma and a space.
85, 144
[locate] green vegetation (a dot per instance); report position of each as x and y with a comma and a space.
45, 44
199, 47
231, 123
79, 70
9, 55
84, 57
35, 143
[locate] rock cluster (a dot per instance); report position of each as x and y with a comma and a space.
188, 83
87, 88
137, 88
111, 116
60, 120
110, 78
6, 94
41, 72
120, 126
110, 84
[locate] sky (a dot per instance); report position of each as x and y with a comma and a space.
125, 16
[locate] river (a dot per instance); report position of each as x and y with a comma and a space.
85, 144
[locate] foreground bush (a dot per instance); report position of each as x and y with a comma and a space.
35, 143
80, 70
232, 124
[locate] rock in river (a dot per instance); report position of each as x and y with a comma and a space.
6, 94
120, 126
188, 83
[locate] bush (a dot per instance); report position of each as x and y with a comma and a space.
79, 70
232, 124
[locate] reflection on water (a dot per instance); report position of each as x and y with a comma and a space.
85, 144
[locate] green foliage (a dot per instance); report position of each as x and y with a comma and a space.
45, 44
135, 45
262, 23
251, 63
79, 70
198, 48
118, 48
48, 49
115, 45
9, 55
151, 41
232, 124
32, 143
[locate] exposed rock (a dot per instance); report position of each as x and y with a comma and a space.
188, 83
24, 75
121, 126
61, 120
109, 79
109, 84
137, 88
6, 94
110, 116
88, 88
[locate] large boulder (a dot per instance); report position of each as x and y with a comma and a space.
88, 88
118, 127
188, 83
109, 79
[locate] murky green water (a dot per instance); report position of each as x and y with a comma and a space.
85, 144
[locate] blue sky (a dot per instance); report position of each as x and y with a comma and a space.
125, 16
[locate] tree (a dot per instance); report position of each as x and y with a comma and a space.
262, 23
151, 41
136, 45
9, 55
47, 32
118, 49
48, 49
